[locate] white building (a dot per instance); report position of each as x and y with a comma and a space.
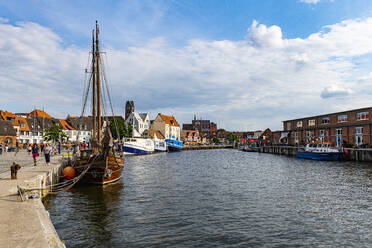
139, 122
167, 126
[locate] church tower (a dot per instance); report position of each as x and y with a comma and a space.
129, 108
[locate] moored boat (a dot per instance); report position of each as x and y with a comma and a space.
173, 145
102, 164
320, 151
160, 146
138, 146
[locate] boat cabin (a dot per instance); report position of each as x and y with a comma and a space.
320, 147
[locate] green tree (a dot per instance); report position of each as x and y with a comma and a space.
215, 140
53, 133
129, 131
232, 137
121, 129
220, 130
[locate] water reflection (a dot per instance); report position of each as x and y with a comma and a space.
221, 198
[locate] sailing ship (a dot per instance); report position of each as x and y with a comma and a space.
102, 163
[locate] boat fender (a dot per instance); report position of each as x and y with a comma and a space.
108, 173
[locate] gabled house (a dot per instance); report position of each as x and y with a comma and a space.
8, 135
140, 123
190, 136
78, 128
167, 126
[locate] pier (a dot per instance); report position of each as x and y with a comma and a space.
353, 154
27, 223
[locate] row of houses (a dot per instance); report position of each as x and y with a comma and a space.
28, 128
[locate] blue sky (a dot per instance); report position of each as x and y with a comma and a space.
234, 62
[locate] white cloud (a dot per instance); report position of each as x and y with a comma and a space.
249, 84
3, 20
310, 1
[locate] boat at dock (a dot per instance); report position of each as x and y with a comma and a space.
138, 146
160, 146
173, 145
320, 151
102, 164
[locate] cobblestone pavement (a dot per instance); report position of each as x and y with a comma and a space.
22, 158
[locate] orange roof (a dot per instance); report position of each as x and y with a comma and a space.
18, 121
40, 113
170, 120
6, 114
36, 113
65, 125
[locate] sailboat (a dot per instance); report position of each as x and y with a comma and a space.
102, 163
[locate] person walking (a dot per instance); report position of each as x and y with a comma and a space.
35, 153
29, 149
1, 149
47, 153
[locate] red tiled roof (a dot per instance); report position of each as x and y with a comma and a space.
36, 113
170, 120
18, 121
65, 125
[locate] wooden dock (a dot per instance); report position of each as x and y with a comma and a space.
353, 154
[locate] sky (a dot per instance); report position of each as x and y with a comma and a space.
245, 65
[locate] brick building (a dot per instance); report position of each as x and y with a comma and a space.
203, 126
8, 135
351, 128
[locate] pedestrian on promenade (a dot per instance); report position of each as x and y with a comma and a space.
47, 153
6, 147
17, 149
35, 153
29, 149
42, 147
1, 149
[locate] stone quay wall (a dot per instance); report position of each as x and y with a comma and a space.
362, 155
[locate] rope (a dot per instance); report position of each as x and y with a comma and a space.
63, 186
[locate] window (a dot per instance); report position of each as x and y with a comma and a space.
362, 116
358, 136
288, 126
297, 138
299, 124
309, 135
22, 125
325, 120
321, 135
22, 132
311, 122
342, 118
339, 132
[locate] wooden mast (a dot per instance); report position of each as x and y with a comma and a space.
99, 126
94, 100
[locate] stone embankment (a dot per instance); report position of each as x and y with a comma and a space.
362, 155
26, 223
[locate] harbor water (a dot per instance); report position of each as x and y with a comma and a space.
221, 198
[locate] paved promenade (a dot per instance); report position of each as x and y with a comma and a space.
25, 224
